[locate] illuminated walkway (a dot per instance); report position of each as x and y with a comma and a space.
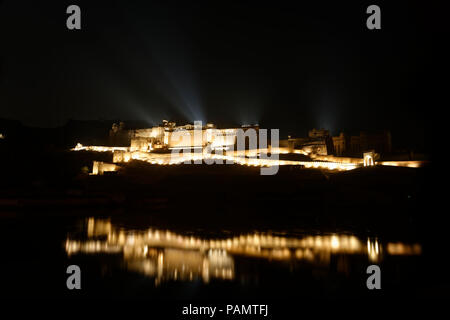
257, 158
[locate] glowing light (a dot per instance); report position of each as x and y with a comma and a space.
372, 250
408, 164
169, 256
334, 242
403, 249
80, 147
98, 167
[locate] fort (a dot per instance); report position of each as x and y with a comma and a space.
169, 144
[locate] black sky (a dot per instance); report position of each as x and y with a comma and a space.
284, 64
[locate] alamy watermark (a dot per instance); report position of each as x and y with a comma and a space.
218, 146
374, 280
74, 280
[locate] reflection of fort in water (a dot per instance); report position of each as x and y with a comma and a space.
165, 255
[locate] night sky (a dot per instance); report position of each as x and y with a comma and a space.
292, 65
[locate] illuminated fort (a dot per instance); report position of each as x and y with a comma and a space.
169, 144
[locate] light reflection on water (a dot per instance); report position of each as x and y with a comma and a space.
168, 256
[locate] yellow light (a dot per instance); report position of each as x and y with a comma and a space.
334, 242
